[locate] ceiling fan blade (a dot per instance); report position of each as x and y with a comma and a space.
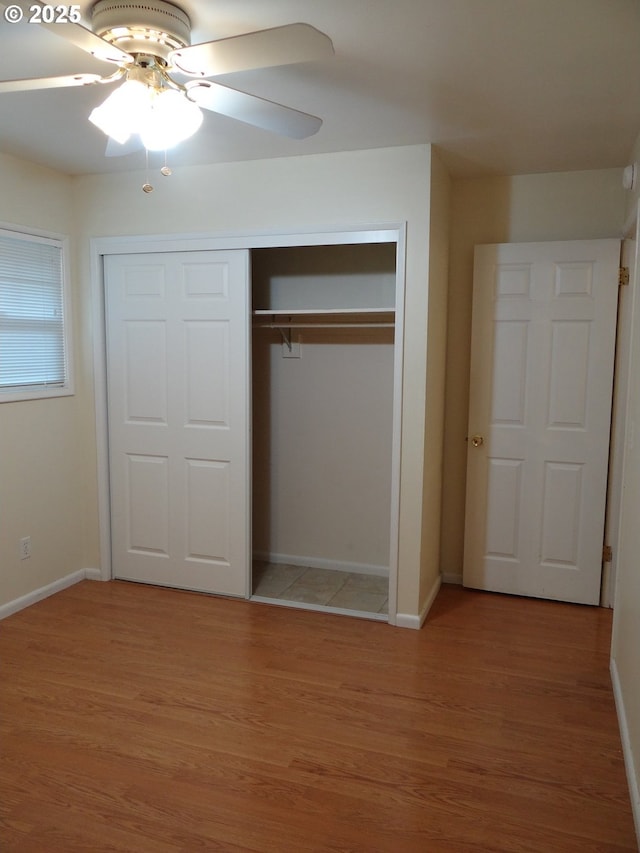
262, 49
48, 82
253, 110
73, 32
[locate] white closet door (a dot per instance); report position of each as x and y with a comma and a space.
177, 341
542, 352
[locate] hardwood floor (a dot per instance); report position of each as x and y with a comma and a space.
145, 719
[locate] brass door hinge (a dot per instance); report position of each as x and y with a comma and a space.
607, 554
623, 275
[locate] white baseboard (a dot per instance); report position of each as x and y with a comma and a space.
452, 577
406, 620
45, 591
633, 771
93, 575
322, 563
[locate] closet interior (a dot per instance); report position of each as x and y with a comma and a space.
322, 431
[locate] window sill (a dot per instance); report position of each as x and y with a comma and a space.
33, 394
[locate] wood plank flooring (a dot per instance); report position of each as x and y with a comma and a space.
144, 719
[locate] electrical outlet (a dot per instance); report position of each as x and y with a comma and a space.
25, 548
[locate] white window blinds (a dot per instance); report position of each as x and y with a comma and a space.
32, 322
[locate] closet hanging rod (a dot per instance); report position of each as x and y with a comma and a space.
291, 312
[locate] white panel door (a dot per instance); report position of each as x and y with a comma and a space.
542, 355
177, 362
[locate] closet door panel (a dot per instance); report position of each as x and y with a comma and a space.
178, 380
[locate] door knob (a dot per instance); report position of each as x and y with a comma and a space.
477, 440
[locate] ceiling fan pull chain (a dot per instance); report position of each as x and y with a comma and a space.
146, 187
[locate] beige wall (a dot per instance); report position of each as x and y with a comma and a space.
633, 195
440, 200
625, 648
351, 189
525, 208
42, 466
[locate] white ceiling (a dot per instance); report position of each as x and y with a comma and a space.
501, 86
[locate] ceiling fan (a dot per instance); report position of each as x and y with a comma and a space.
149, 42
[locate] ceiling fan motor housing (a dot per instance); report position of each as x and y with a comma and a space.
150, 27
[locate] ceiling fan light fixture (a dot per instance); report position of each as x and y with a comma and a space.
119, 115
171, 119
162, 117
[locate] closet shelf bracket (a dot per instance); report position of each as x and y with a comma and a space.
285, 332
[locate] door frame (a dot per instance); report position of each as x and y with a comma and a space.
139, 244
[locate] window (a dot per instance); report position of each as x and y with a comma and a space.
34, 338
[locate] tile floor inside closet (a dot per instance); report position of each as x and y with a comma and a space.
359, 594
